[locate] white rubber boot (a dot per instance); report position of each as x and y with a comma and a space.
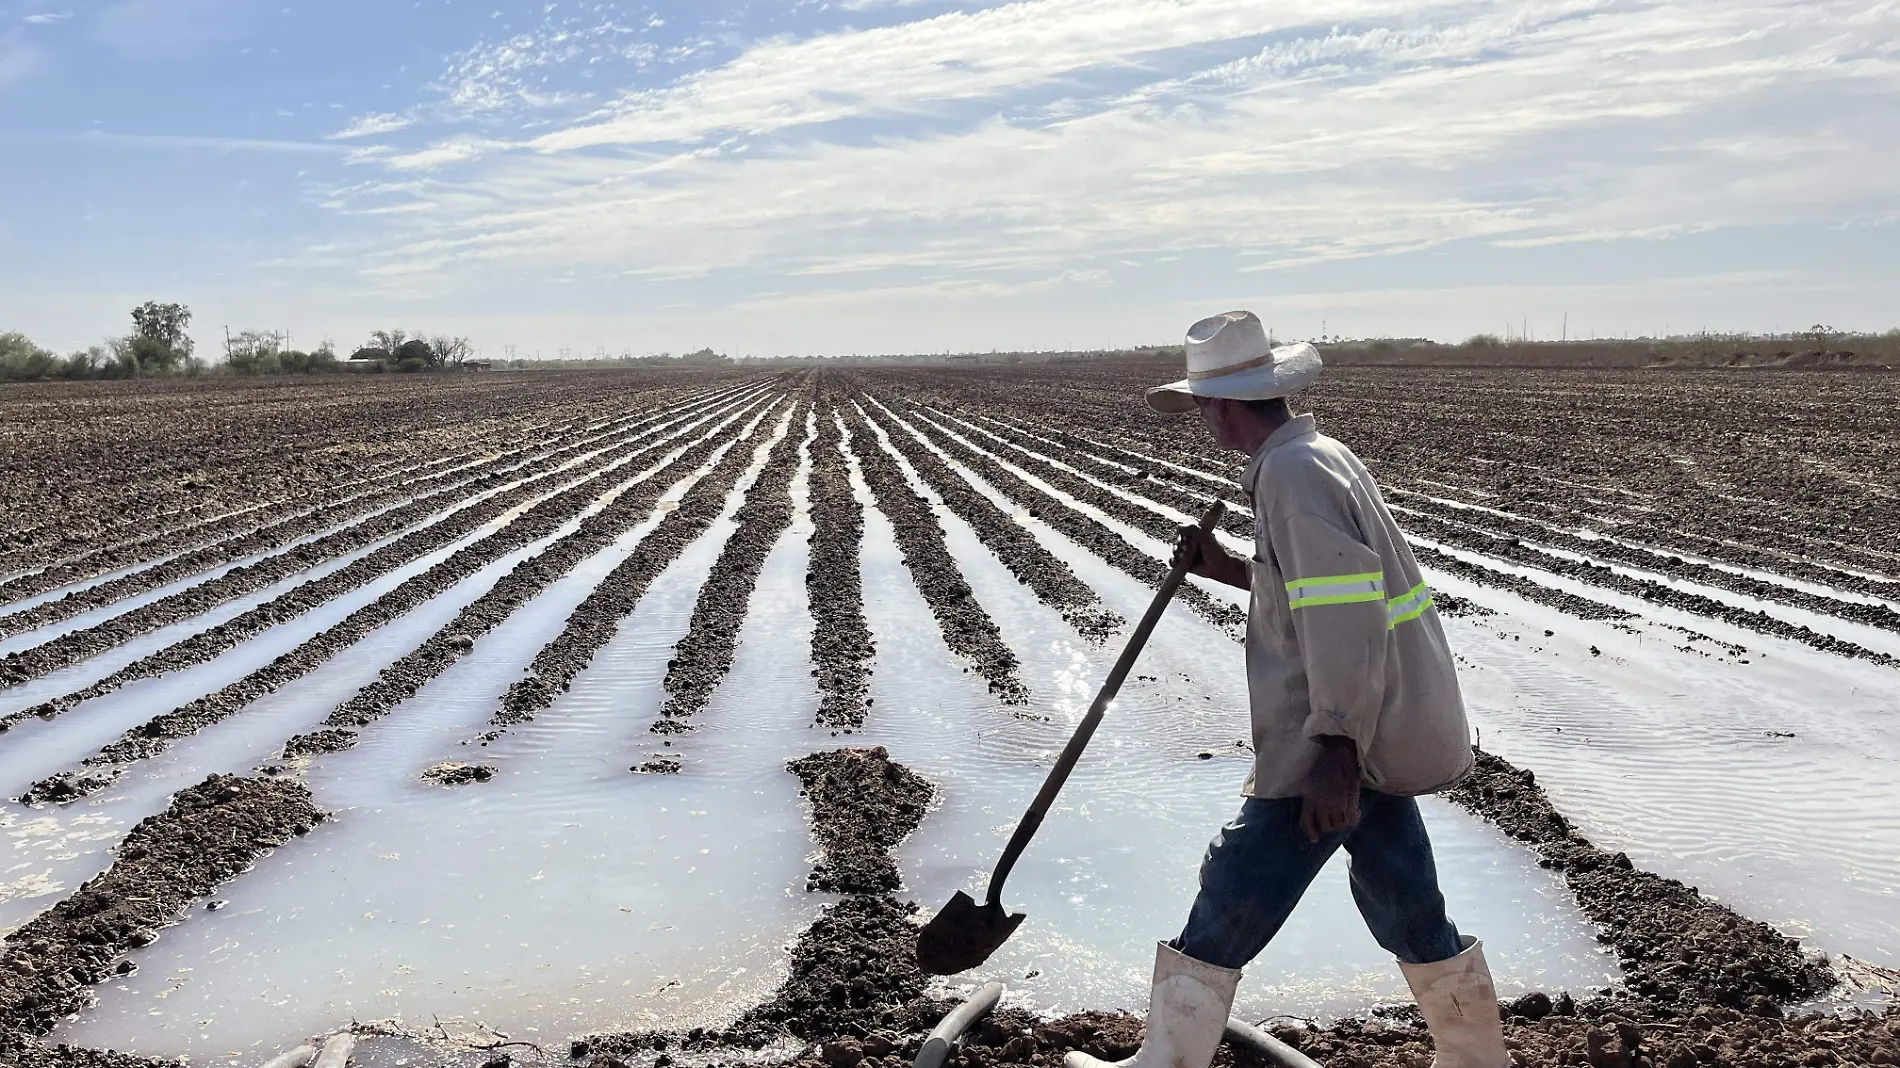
1187, 1013
1460, 1005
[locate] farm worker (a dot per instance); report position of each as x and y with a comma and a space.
1356, 711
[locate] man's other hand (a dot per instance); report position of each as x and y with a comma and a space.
1206, 557
1330, 802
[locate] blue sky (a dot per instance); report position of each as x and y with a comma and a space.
921, 175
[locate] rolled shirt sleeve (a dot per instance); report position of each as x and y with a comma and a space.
1336, 591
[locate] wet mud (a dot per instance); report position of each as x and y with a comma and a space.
1082, 529
538, 477
1034, 566
703, 656
1676, 947
853, 973
597, 618
862, 806
115, 474
157, 734
414, 502
1537, 593
210, 833
967, 629
1516, 551
841, 643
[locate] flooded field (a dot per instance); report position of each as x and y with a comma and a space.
519, 709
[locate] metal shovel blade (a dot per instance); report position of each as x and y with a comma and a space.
964, 935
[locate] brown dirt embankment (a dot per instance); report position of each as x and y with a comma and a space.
1082, 529
1051, 580
967, 629
841, 644
704, 654
1677, 948
537, 478
158, 733
594, 622
210, 833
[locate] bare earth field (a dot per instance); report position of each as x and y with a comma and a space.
637, 717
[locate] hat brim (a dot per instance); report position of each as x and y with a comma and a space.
1286, 375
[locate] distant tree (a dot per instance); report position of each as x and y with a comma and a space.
1483, 341
20, 359
321, 360
450, 351
254, 352
159, 341
417, 351
1821, 336
387, 340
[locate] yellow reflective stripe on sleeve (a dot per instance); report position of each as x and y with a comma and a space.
1336, 589
1334, 580
1408, 607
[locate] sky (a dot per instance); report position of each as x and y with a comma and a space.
872, 176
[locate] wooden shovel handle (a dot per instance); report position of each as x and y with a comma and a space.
1085, 730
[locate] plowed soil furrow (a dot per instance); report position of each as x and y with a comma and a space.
157, 734
1491, 525
703, 656
265, 527
1537, 593
841, 645
1676, 946
1239, 518
210, 833
411, 501
519, 486
1034, 566
98, 464
116, 541
594, 622
1080, 528
401, 680
967, 628
1515, 551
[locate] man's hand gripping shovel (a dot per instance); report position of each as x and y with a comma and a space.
964, 933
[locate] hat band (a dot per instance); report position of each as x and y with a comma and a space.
1232, 368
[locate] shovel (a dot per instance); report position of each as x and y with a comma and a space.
964, 934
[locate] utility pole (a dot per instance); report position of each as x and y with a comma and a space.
1566, 335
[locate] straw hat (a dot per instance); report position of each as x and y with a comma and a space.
1228, 356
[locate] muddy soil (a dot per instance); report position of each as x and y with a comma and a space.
537, 478
1677, 948
841, 644
862, 806
209, 834
156, 464
703, 656
597, 618
157, 734
405, 504
1034, 566
1513, 549
1667, 458
1079, 528
455, 639
853, 971
967, 628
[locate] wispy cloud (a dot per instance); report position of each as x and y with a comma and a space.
372, 126
1358, 129
47, 18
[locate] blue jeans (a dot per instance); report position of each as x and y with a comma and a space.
1259, 865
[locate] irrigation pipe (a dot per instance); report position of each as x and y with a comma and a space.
943, 1037
295, 1058
1265, 1046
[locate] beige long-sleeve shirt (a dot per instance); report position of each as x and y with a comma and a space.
1342, 638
